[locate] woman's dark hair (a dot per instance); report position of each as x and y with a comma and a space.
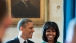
46, 26
3, 9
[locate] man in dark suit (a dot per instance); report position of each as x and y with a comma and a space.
26, 30
25, 10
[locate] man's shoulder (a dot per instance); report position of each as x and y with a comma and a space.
10, 41
30, 41
18, 5
13, 40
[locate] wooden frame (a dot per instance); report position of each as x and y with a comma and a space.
36, 21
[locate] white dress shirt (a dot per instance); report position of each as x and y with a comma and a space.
21, 39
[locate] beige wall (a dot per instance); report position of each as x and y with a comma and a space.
56, 14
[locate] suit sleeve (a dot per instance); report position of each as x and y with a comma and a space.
11, 41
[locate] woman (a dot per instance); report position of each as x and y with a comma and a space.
5, 19
50, 32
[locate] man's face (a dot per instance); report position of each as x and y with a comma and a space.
28, 30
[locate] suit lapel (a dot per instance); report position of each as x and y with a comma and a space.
30, 41
17, 40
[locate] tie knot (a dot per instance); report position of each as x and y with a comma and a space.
24, 42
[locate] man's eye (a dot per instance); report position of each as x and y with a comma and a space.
31, 27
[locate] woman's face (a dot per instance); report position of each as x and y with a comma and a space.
50, 34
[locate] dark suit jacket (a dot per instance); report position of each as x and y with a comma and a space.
20, 10
16, 40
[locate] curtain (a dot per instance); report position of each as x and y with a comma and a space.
69, 13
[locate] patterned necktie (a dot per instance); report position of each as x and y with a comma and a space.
24, 42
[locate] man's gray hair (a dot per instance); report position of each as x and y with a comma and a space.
22, 22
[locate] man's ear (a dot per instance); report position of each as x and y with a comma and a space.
21, 28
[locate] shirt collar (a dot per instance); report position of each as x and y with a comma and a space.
25, 3
21, 39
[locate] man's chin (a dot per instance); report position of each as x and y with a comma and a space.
30, 37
